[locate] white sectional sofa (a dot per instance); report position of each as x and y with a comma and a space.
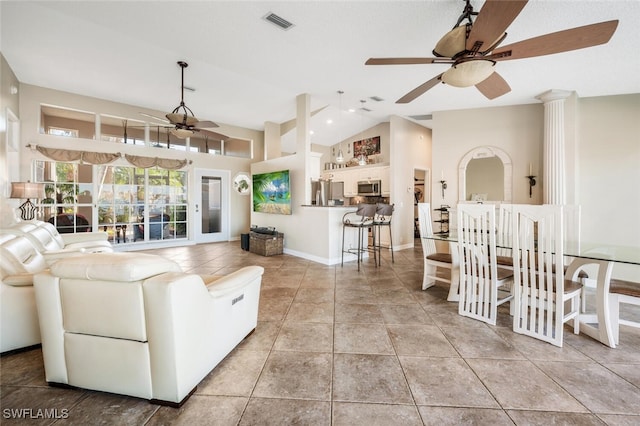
19, 260
53, 245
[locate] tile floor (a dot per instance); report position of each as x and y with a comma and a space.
335, 346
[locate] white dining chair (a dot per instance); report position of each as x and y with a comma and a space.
622, 291
483, 286
434, 259
540, 295
503, 235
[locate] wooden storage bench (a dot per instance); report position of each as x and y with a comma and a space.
266, 244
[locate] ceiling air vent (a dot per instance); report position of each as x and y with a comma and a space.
277, 20
421, 117
365, 109
376, 98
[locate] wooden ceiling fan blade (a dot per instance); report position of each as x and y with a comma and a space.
561, 41
492, 21
400, 61
205, 125
493, 86
419, 90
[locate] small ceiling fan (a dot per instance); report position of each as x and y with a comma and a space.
182, 117
471, 48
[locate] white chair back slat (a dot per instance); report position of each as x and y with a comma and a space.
480, 286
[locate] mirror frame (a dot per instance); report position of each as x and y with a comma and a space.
486, 152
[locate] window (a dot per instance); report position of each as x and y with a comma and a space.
67, 122
68, 195
129, 203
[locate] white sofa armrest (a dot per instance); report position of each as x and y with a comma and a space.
232, 282
83, 237
18, 280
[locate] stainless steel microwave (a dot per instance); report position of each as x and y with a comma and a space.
369, 188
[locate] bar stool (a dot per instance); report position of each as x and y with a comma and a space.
361, 219
382, 219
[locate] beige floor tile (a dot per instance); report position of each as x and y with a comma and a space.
542, 418
595, 387
236, 375
518, 384
315, 295
480, 342
273, 309
405, 314
358, 313
354, 414
311, 312
369, 378
263, 336
201, 410
262, 411
420, 340
302, 375
110, 409
363, 339
445, 381
440, 416
620, 420
305, 337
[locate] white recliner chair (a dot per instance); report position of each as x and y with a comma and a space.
19, 260
53, 245
135, 324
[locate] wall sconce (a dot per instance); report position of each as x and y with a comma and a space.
532, 183
443, 183
27, 190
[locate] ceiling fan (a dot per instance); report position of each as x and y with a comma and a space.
471, 48
182, 117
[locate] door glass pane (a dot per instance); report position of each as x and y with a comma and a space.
211, 204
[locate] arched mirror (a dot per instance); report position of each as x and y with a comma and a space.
485, 174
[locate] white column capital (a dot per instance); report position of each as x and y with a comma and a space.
553, 95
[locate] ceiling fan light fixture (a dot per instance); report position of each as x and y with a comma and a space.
468, 73
181, 133
452, 42
185, 119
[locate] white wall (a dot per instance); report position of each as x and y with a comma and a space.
8, 155
410, 148
517, 130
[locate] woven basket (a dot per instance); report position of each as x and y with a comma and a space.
265, 244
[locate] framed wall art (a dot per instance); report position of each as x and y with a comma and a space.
367, 147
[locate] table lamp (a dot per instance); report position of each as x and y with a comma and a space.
27, 190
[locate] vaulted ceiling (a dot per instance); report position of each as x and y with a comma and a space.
246, 71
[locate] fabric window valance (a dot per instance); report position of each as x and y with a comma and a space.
82, 156
105, 158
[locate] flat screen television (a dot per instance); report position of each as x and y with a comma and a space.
271, 192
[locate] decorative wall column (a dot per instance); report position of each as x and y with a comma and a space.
554, 146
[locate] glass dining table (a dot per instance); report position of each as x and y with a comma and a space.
603, 257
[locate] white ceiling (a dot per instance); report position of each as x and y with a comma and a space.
247, 71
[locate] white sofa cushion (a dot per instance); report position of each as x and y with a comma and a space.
89, 308
125, 267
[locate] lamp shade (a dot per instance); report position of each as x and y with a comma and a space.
27, 190
452, 43
468, 73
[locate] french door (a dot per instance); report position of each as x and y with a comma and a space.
211, 213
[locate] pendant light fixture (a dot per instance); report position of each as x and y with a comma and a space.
362, 158
340, 156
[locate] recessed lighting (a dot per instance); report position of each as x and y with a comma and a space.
329, 121
352, 110
311, 132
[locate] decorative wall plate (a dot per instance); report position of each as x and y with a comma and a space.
242, 183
